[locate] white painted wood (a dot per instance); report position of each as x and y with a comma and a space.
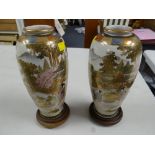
116, 22
20, 26
105, 21
127, 22
59, 27
110, 22
121, 22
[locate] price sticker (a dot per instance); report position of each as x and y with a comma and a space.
61, 46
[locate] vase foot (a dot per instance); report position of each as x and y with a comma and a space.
105, 121
52, 122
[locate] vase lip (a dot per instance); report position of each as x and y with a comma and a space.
118, 30
38, 30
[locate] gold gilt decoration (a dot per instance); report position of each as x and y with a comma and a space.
42, 58
112, 69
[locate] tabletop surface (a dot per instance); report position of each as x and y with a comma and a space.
17, 110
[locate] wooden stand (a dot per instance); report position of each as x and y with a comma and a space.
105, 120
52, 122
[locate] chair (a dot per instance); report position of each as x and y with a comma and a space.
96, 26
20, 26
108, 22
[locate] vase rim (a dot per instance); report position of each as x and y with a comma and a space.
38, 30
118, 30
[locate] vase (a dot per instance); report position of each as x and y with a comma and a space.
42, 58
114, 60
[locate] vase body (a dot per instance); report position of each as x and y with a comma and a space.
42, 57
114, 60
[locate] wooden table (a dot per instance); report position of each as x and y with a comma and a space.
17, 110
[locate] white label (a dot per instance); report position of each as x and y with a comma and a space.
59, 27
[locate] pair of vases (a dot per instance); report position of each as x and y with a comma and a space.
114, 60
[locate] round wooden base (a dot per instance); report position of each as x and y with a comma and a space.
52, 122
103, 119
